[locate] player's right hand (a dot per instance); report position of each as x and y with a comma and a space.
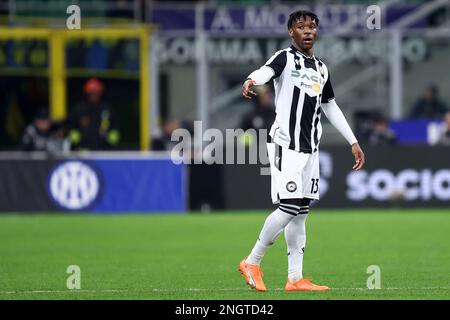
246, 92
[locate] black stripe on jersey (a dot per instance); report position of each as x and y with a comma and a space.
309, 107
278, 64
316, 133
296, 59
321, 68
327, 92
310, 63
293, 117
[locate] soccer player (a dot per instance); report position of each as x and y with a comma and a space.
302, 91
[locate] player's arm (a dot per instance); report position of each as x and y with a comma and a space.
337, 119
271, 70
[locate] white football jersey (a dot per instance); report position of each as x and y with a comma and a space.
301, 84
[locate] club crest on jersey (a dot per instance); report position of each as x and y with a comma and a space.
291, 186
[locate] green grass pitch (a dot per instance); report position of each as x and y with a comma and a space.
195, 256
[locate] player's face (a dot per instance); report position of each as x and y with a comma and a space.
304, 33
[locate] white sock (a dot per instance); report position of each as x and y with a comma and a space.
273, 226
295, 234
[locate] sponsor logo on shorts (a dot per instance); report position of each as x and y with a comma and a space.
291, 186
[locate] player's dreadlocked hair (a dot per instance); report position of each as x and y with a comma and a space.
294, 16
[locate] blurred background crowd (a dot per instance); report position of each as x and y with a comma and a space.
391, 83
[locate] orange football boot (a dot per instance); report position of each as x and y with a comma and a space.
304, 285
253, 275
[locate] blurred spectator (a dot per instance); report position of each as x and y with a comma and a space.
92, 124
445, 137
381, 134
364, 120
429, 105
163, 141
263, 113
42, 134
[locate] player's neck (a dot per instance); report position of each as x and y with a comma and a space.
307, 53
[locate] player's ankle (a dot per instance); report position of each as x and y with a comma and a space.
294, 278
253, 260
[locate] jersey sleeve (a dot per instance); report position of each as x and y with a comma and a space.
337, 119
277, 63
327, 93
271, 70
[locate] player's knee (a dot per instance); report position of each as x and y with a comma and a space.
295, 206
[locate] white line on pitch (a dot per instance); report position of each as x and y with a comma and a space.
196, 290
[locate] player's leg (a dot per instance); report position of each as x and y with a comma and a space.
273, 226
295, 231
295, 235
286, 171
286, 176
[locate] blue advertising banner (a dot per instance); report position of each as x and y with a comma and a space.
115, 185
418, 131
142, 185
173, 19
89, 184
273, 19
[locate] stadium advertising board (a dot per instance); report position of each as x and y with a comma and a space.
400, 176
94, 185
407, 176
250, 50
269, 19
393, 177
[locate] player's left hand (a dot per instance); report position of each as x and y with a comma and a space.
360, 158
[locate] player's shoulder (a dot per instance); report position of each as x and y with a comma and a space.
278, 57
288, 49
322, 64
280, 52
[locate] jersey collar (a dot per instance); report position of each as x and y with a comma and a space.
304, 55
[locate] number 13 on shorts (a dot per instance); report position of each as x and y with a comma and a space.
314, 185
